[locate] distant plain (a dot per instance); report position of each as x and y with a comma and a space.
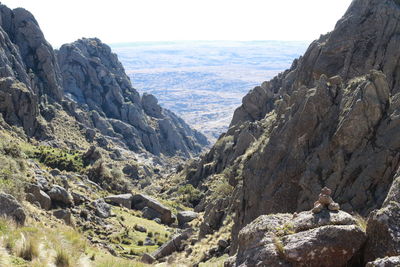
204, 81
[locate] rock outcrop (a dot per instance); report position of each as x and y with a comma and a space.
304, 239
11, 208
87, 81
96, 81
330, 120
383, 228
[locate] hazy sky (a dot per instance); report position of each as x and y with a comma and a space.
115, 21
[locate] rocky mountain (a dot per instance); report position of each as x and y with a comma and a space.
96, 82
89, 165
330, 120
90, 84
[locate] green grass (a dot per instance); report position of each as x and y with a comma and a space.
132, 240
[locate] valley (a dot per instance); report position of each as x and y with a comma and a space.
305, 171
204, 81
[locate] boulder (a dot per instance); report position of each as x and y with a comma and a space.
385, 262
147, 258
186, 216
79, 198
37, 195
305, 239
383, 228
60, 195
213, 216
10, 207
102, 209
171, 246
63, 214
150, 214
140, 228
140, 201
124, 200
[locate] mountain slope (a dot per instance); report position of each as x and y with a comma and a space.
330, 120
99, 95
95, 80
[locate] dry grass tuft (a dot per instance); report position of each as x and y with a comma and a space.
63, 259
29, 249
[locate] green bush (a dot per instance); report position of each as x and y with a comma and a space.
189, 194
63, 160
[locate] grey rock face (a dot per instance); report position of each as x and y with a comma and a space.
307, 239
330, 120
383, 227
39, 69
95, 79
10, 207
18, 104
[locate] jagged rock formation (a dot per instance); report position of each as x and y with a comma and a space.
95, 79
330, 120
98, 92
29, 70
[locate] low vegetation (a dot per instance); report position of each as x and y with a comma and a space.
64, 160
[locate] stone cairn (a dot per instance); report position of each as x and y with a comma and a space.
325, 200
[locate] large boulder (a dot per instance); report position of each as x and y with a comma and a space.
124, 200
304, 239
63, 214
101, 208
186, 216
140, 201
58, 194
10, 207
383, 227
175, 244
37, 195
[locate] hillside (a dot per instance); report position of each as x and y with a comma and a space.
94, 174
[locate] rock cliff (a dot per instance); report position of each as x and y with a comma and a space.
330, 120
95, 80
86, 80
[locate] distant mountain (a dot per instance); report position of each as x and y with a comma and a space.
203, 82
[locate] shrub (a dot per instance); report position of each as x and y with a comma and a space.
61, 159
189, 194
12, 149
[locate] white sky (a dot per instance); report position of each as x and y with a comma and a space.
115, 21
